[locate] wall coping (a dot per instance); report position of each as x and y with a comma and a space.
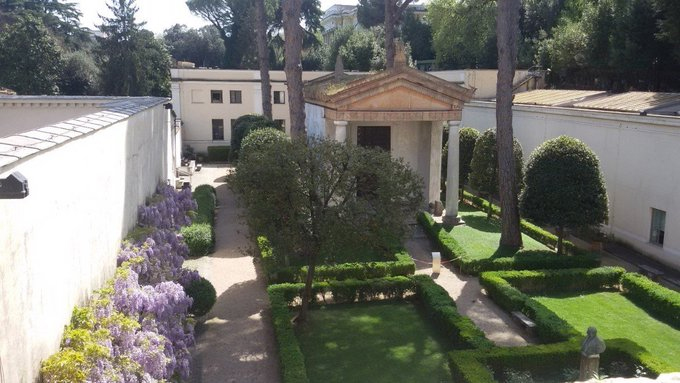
19, 147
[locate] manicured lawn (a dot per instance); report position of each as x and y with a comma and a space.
480, 237
614, 316
372, 342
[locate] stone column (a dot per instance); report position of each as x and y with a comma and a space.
434, 183
451, 217
340, 131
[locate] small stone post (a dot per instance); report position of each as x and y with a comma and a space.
591, 348
436, 262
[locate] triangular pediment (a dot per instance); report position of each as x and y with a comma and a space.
399, 89
402, 97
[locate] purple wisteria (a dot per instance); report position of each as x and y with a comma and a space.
137, 328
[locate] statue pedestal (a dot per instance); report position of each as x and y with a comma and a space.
590, 366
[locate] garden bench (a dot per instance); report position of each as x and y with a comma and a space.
524, 321
651, 272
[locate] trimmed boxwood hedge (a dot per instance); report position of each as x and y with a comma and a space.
431, 298
523, 260
541, 235
474, 366
660, 302
200, 235
401, 265
507, 289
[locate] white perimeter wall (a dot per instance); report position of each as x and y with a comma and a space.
60, 243
639, 158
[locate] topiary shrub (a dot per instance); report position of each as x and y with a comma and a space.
204, 295
483, 174
259, 139
564, 187
244, 125
199, 238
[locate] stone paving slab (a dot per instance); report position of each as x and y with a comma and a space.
234, 341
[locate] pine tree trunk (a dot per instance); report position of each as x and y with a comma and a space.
293, 68
307, 293
389, 33
507, 28
263, 57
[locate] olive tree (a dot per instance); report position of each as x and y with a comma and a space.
564, 187
312, 198
484, 166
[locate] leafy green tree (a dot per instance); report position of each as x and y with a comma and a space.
418, 35
59, 17
364, 50
339, 38
200, 46
371, 13
463, 33
246, 124
133, 62
310, 200
670, 27
564, 187
484, 165
30, 58
80, 75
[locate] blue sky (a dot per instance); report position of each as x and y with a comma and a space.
160, 14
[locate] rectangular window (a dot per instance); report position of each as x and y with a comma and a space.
218, 130
279, 97
216, 96
658, 230
281, 124
232, 122
235, 96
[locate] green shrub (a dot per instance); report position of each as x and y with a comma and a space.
402, 265
523, 260
291, 359
218, 153
658, 301
561, 281
199, 237
260, 138
204, 295
244, 125
207, 201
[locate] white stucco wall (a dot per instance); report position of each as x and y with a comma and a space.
638, 158
315, 121
60, 243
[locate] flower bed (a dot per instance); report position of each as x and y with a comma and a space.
137, 327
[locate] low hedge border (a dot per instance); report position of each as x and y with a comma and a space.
660, 302
507, 289
200, 235
523, 260
432, 298
473, 366
536, 232
402, 265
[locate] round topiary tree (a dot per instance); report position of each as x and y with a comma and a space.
564, 187
244, 125
204, 295
259, 139
483, 174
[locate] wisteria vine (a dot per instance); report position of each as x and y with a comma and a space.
137, 328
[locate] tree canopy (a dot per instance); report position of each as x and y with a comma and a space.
30, 57
311, 200
564, 187
201, 46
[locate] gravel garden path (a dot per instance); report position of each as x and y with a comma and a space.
467, 292
235, 340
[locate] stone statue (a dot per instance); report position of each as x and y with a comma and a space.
591, 348
592, 345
